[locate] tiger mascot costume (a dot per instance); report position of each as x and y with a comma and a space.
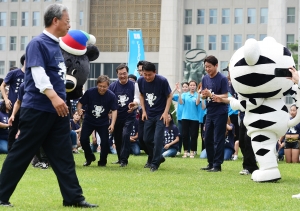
260, 95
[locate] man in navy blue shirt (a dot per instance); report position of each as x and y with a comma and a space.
156, 98
128, 100
98, 101
44, 99
214, 83
13, 79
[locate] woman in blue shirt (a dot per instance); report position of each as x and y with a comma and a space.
190, 120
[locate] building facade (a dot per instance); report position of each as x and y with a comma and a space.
170, 28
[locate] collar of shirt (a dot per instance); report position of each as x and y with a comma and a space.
50, 35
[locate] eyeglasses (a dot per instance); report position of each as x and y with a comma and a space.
122, 74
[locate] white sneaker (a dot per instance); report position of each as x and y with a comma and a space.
178, 153
235, 157
296, 196
244, 172
188, 154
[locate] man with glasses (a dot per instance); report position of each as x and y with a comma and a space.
98, 101
128, 100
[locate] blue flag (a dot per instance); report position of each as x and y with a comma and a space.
136, 50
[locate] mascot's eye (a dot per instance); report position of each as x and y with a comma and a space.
68, 63
77, 63
286, 52
261, 60
74, 72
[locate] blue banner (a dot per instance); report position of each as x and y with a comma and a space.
136, 50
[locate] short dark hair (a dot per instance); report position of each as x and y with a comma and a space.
193, 81
140, 63
148, 66
184, 83
103, 78
121, 66
132, 76
52, 11
22, 59
212, 60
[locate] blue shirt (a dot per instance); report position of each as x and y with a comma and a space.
170, 135
98, 106
74, 126
230, 110
229, 139
44, 52
4, 131
21, 92
14, 79
125, 95
201, 112
190, 109
179, 107
218, 85
155, 94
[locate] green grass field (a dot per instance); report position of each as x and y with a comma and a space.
177, 185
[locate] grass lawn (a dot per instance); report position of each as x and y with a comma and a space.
177, 185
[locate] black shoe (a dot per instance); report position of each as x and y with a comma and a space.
82, 204
215, 169
88, 162
153, 169
5, 204
123, 164
147, 165
101, 164
206, 168
116, 162
162, 159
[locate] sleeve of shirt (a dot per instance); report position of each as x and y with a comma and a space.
136, 94
84, 99
41, 79
114, 105
175, 97
204, 86
8, 77
176, 131
167, 87
139, 82
224, 86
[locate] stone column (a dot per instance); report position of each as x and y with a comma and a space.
170, 46
277, 20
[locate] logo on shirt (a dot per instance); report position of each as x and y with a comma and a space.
292, 130
62, 71
150, 98
122, 100
98, 110
18, 83
169, 137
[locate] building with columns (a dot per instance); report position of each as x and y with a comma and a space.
170, 28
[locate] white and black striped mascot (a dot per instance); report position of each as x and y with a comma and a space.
260, 95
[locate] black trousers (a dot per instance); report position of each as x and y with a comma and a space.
13, 130
249, 161
235, 121
190, 129
122, 132
39, 128
141, 133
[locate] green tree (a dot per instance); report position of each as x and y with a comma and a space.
294, 49
174, 116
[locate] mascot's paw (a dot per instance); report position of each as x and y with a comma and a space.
296, 196
268, 175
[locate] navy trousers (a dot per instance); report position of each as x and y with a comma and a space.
215, 128
86, 131
39, 128
154, 129
122, 132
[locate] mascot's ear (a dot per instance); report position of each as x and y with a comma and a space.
92, 52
